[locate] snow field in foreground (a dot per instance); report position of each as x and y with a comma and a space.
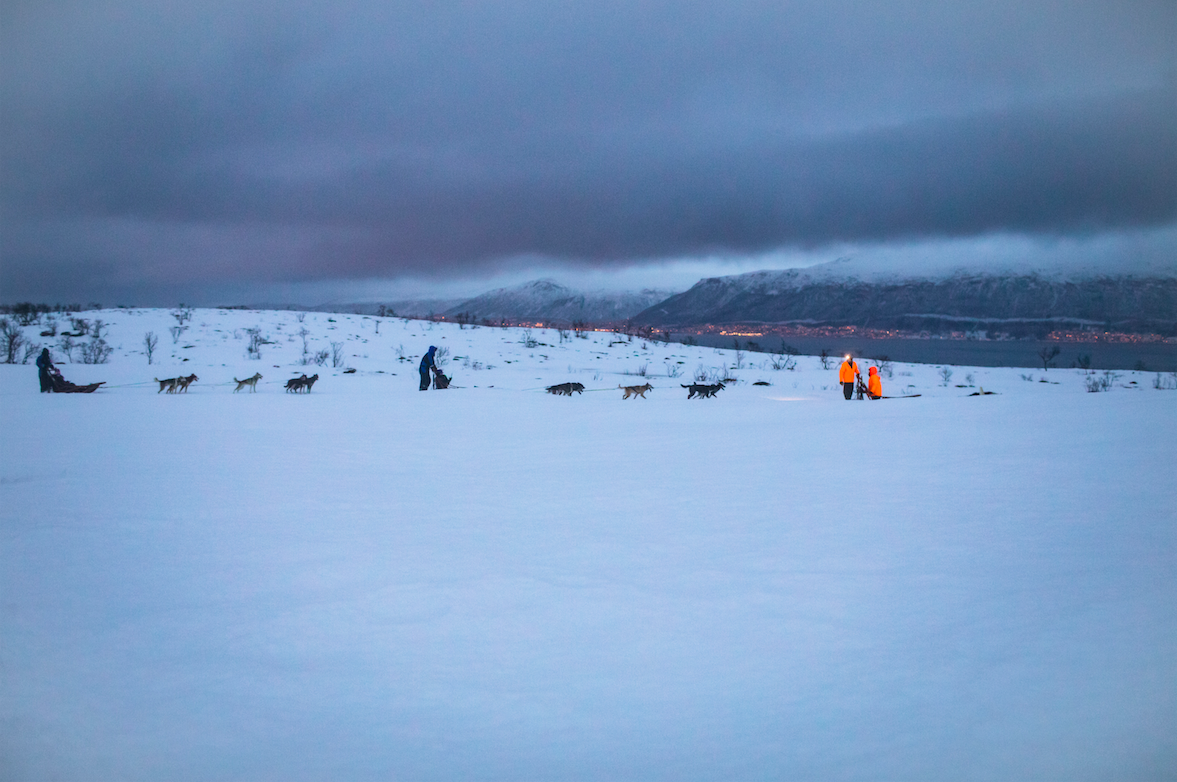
370, 582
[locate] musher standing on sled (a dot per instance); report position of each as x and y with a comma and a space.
847, 374
427, 364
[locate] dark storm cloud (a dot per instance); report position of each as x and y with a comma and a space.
164, 144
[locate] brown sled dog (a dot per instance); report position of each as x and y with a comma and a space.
249, 381
636, 391
182, 383
168, 385
295, 383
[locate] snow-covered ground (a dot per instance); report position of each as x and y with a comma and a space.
369, 582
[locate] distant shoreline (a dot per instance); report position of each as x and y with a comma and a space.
1154, 356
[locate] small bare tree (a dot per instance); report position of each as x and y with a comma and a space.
441, 356
67, 346
337, 354
945, 375
177, 331
1048, 354
149, 343
306, 348
182, 314
825, 358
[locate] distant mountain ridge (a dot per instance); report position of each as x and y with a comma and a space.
548, 301
970, 301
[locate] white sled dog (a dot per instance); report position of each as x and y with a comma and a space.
249, 381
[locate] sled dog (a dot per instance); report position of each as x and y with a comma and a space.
182, 383
249, 381
295, 383
310, 381
566, 389
702, 390
439, 379
168, 385
636, 391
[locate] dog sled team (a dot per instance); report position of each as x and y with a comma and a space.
849, 375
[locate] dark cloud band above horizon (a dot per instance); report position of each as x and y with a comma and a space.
159, 144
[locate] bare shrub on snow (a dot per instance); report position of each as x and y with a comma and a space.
1096, 383
96, 351
11, 339
785, 358
254, 349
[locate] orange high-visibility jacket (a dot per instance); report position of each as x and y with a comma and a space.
848, 371
874, 385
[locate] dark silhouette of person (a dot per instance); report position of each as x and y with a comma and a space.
44, 369
427, 364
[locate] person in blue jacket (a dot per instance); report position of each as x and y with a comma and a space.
427, 364
44, 367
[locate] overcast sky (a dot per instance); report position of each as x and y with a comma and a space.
157, 152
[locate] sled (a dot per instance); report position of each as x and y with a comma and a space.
860, 387
63, 386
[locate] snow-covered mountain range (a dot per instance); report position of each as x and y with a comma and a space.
830, 294
549, 301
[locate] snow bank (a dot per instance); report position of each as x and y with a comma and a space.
489, 582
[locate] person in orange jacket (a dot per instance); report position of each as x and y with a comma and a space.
874, 384
847, 374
